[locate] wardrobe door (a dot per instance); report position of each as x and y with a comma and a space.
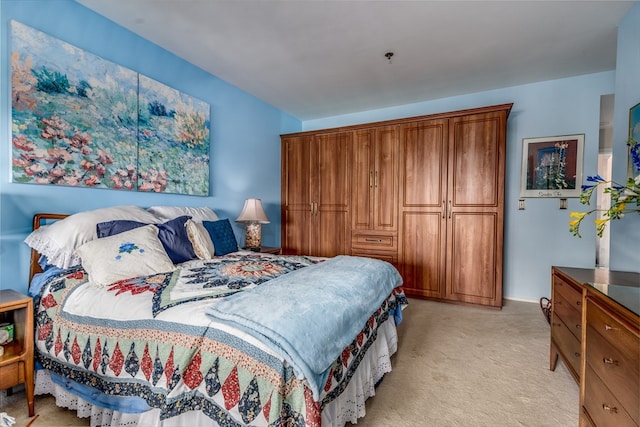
296, 195
423, 186
476, 214
331, 220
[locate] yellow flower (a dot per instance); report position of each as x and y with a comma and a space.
578, 217
600, 222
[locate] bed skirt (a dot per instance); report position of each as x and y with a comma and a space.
347, 408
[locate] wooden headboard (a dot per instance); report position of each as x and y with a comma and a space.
38, 220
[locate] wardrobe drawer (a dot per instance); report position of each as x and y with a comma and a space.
601, 405
372, 240
568, 313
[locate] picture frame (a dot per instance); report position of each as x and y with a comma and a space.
633, 169
552, 166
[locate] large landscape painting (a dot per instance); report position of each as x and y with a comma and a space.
79, 120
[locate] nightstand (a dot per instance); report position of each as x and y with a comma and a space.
16, 364
267, 250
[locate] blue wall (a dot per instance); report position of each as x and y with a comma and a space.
625, 234
245, 148
245, 134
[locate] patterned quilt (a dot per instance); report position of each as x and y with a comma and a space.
149, 338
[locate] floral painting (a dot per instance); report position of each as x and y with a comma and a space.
552, 166
79, 120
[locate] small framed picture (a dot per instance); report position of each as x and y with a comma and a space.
552, 166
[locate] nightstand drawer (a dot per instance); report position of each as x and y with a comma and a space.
11, 375
602, 406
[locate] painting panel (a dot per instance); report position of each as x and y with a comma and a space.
74, 115
173, 140
552, 166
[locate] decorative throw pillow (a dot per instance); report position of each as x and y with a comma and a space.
200, 214
58, 241
133, 253
224, 241
200, 240
172, 234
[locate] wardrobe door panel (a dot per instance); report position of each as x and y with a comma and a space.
476, 154
473, 258
422, 254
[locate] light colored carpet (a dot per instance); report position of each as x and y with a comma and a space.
455, 366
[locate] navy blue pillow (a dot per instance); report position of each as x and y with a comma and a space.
172, 234
224, 241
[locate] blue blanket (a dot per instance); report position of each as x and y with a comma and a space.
310, 315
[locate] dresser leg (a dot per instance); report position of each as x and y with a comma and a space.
553, 358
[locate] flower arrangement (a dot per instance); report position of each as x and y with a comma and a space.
624, 198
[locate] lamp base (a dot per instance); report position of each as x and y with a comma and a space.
254, 236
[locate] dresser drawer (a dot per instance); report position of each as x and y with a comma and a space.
570, 293
602, 406
614, 355
615, 333
568, 313
374, 240
567, 344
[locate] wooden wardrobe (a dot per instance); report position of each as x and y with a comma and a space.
424, 193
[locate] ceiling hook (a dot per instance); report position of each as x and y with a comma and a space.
389, 55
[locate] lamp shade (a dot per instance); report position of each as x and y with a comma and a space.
253, 212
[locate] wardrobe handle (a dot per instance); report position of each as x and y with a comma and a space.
375, 181
312, 205
449, 209
444, 210
370, 179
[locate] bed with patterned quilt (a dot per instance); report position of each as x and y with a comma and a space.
155, 317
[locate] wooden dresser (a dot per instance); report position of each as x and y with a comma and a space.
606, 360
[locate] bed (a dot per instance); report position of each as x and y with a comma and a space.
154, 317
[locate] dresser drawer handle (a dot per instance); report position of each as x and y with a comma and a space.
373, 240
609, 409
578, 302
609, 328
576, 354
610, 361
578, 326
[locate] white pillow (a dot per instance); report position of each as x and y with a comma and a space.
59, 240
200, 240
133, 253
166, 213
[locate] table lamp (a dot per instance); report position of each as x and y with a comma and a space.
253, 214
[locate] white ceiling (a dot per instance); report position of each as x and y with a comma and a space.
315, 59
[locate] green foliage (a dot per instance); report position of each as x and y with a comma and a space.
51, 82
82, 88
156, 108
